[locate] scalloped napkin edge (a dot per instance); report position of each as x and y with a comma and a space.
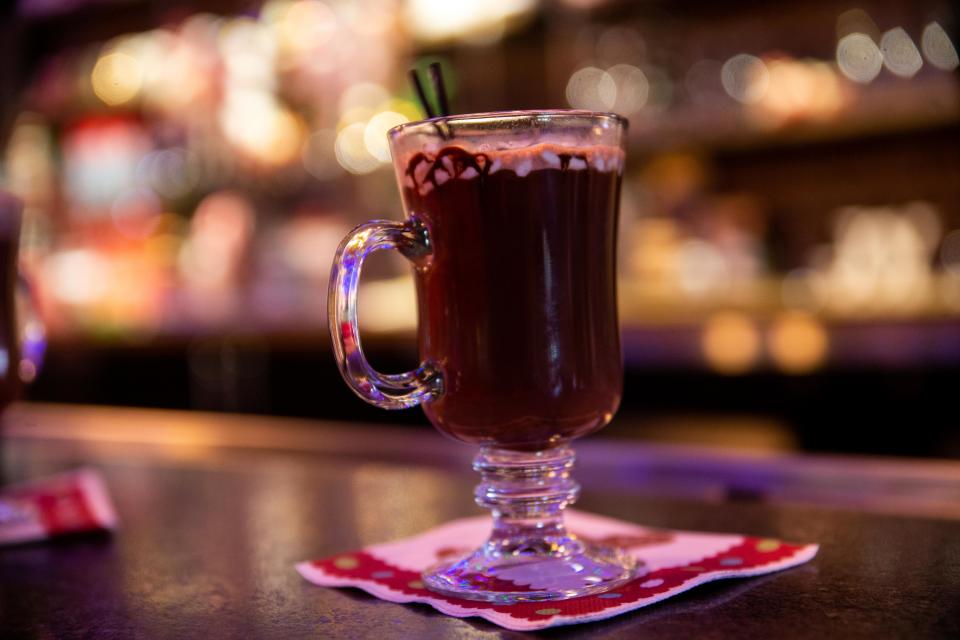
676, 562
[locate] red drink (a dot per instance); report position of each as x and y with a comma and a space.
518, 300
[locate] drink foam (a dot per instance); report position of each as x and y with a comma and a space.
435, 164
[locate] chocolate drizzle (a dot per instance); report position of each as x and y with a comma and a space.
565, 159
456, 160
453, 161
415, 162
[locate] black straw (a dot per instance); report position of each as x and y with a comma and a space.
415, 79
436, 78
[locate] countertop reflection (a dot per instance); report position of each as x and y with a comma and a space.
211, 529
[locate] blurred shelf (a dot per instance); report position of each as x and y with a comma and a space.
661, 304
884, 108
660, 330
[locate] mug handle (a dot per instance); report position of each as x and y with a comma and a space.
387, 391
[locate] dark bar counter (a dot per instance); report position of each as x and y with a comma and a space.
215, 510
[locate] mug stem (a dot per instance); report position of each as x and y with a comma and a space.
526, 493
530, 555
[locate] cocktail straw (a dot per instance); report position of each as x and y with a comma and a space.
421, 95
443, 129
436, 78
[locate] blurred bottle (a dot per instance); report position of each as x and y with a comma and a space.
22, 336
10, 218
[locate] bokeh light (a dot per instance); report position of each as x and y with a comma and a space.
859, 58
77, 276
180, 69
116, 78
592, 89
33, 336
701, 268
797, 342
375, 133
800, 89
248, 50
100, 158
937, 47
632, 89
900, 54
880, 261
306, 25
439, 20
351, 151
745, 78
258, 125
730, 342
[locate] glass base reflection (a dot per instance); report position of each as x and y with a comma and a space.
530, 556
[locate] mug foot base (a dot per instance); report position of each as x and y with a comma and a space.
508, 579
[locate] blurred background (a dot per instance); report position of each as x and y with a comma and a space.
790, 238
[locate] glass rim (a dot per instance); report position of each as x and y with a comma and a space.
487, 117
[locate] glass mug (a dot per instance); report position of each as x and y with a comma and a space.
511, 226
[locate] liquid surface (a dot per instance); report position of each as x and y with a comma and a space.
518, 301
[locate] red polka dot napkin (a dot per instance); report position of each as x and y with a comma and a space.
675, 561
